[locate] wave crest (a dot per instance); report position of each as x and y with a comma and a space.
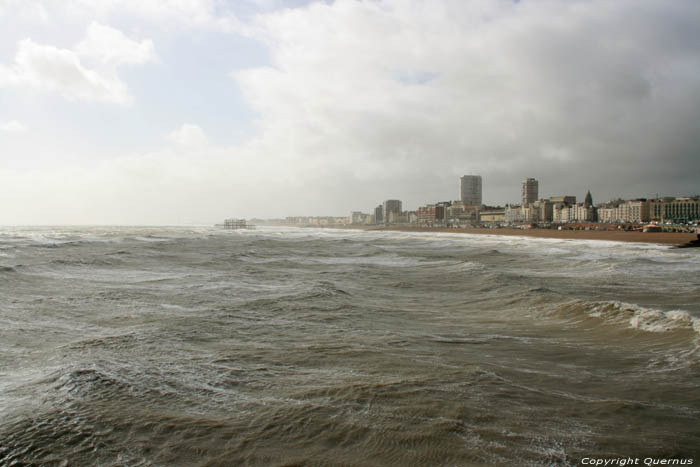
634, 316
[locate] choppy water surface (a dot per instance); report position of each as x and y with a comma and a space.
174, 346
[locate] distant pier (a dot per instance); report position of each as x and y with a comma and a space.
235, 224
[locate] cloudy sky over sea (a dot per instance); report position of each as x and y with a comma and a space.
179, 111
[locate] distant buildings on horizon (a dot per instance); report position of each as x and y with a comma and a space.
469, 210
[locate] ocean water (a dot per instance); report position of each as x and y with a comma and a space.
195, 346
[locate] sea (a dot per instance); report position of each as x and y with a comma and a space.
194, 346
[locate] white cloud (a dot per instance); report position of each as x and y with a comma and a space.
110, 46
59, 70
13, 126
25, 10
62, 71
189, 136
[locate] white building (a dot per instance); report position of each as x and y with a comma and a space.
513, 214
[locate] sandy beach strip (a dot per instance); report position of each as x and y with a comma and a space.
667, 238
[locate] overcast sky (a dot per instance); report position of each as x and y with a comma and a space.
190, 111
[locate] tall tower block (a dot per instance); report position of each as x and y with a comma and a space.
470, 190
529, 191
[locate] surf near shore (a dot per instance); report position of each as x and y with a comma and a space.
665, 238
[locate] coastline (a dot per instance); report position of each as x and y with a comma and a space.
663, 238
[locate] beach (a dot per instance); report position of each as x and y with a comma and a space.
667, 238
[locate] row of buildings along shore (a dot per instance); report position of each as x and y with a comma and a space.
469, 211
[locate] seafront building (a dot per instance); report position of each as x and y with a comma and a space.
632, 211
316, 221
470, 190
512, 214
663, 211
545, 210
459, 214
556, 209
529, 191
379, 214
676, 210
492, 216
361, 218
430, 214
562, 213
391, 211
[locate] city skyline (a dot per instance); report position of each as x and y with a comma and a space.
470, 189
531, 207
381, 208
165, 112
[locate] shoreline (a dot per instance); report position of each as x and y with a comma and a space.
662, 238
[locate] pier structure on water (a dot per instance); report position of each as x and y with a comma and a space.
235, 224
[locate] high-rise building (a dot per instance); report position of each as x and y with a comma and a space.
392, 210
470, 190
530, 188
379, 214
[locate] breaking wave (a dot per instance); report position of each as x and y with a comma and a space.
632, 316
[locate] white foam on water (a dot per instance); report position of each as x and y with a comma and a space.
639, 317
661, 321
